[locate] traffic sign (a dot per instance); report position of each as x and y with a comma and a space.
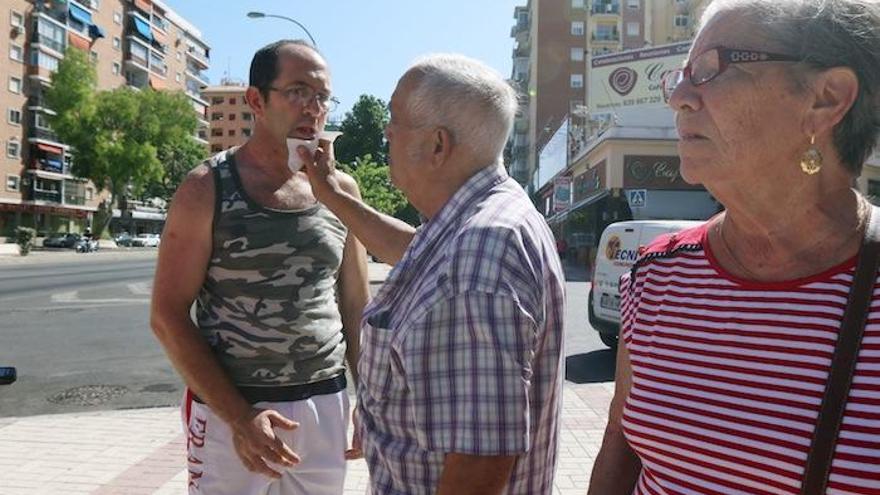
638, 198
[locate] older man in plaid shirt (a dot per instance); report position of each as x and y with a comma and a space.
461, 351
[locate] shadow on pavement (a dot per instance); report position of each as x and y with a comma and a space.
592, 367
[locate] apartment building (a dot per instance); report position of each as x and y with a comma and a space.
231, 120
554, 41
140, 43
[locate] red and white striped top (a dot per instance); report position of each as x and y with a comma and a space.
728, 376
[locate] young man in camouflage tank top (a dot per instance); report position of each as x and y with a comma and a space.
279, 286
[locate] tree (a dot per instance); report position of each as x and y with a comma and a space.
115, 136
375, 185
363, 131
177, 159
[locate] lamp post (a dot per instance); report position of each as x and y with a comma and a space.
260, 15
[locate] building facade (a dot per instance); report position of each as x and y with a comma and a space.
231, 119
140, 43
554, 42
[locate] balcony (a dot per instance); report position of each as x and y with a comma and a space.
39, 40
73, 199
600, 8
612, 37
44, 134
158, 68
197, 75
38, 102
197, 56
47, 196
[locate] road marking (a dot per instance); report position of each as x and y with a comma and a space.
141, 288
73, 297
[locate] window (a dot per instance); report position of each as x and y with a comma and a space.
217, 116
216, 148
217, 132
231, 132
577, 28
16, 53
607, 32
632, 28
232, 101
577, 4
682, 21
13, 149
177, 77
231, 116
40, 121
15, 85
577, 53
44, 60
246, 116
14, 116
116, 68
217, 100
246, 132
12, 182
179, 55
16, 19
93, 55
117, 43
633, 4
90, 194
577, 80
117, 18
873, 189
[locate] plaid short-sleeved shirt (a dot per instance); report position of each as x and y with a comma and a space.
461, 351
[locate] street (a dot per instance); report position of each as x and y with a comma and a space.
78, 332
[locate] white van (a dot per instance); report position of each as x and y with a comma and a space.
618, 250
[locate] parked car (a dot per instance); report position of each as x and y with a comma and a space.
146, 240
123, 239
61, 240
618, 250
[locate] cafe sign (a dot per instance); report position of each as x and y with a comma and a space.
654, 172
632, 78
589, 182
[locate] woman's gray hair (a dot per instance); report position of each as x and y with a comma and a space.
471, 100
826, 34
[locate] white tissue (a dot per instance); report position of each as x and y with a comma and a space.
293, 160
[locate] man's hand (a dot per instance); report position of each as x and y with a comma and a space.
321, 170
256, 443
356, 450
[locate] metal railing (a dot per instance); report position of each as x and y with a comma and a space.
51, 196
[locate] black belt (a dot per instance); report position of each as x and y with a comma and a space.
290, 393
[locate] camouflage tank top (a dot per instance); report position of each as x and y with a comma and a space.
268, 304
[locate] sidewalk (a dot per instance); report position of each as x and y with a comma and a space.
142, 451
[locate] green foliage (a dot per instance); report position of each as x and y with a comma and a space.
375, 185
24, 237
116, 135
177, 160
363, 131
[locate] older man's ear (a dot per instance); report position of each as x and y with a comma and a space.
443, 144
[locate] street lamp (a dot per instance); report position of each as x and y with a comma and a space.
260, 15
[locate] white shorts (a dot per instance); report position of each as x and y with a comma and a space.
320, 442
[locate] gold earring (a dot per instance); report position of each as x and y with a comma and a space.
811, 160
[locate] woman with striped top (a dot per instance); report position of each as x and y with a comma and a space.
729, 328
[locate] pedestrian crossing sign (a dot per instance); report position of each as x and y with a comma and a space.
638, 198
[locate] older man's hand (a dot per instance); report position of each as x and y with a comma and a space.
321, 170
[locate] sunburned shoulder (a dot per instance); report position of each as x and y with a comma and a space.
196, 189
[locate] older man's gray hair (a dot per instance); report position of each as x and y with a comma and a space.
471, 100
825, 34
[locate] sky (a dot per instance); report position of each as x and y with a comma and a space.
367, 43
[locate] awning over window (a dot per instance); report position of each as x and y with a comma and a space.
156, 82
95, 31
80, 14
143, 28
50, 149
78, 41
